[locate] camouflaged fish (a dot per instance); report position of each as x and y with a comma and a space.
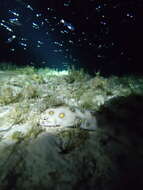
65, 117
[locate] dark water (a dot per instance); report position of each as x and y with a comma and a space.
103, 36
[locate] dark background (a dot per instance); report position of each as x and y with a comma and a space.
110, 33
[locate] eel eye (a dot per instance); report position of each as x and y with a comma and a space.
61, 115
51, 112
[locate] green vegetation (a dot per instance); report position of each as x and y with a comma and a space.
7, 66
28, 70
26, 89
116, 102
51, 101
29, 92
7, 96
37, 78
32, 133
19, 113
76, 75
71, 139
17, 136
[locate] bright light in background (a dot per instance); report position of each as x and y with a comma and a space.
52, 72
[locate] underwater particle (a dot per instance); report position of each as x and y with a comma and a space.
35, 26
98, 8
54, 17
99, 46
12, 49
67, 3
29, 7
71, 42
50, 9
24, 39
13, 12
70, 27
65, 32
103, 23
67, 25
46, 20
99, 56
15, 21
61, 115
62, 32
74, 60
42, 23
6, 27
57, 43
52, 29
55, 50
39, 43
44, 62
130, 15
38, 15
51, 112
9, 40
23, 44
